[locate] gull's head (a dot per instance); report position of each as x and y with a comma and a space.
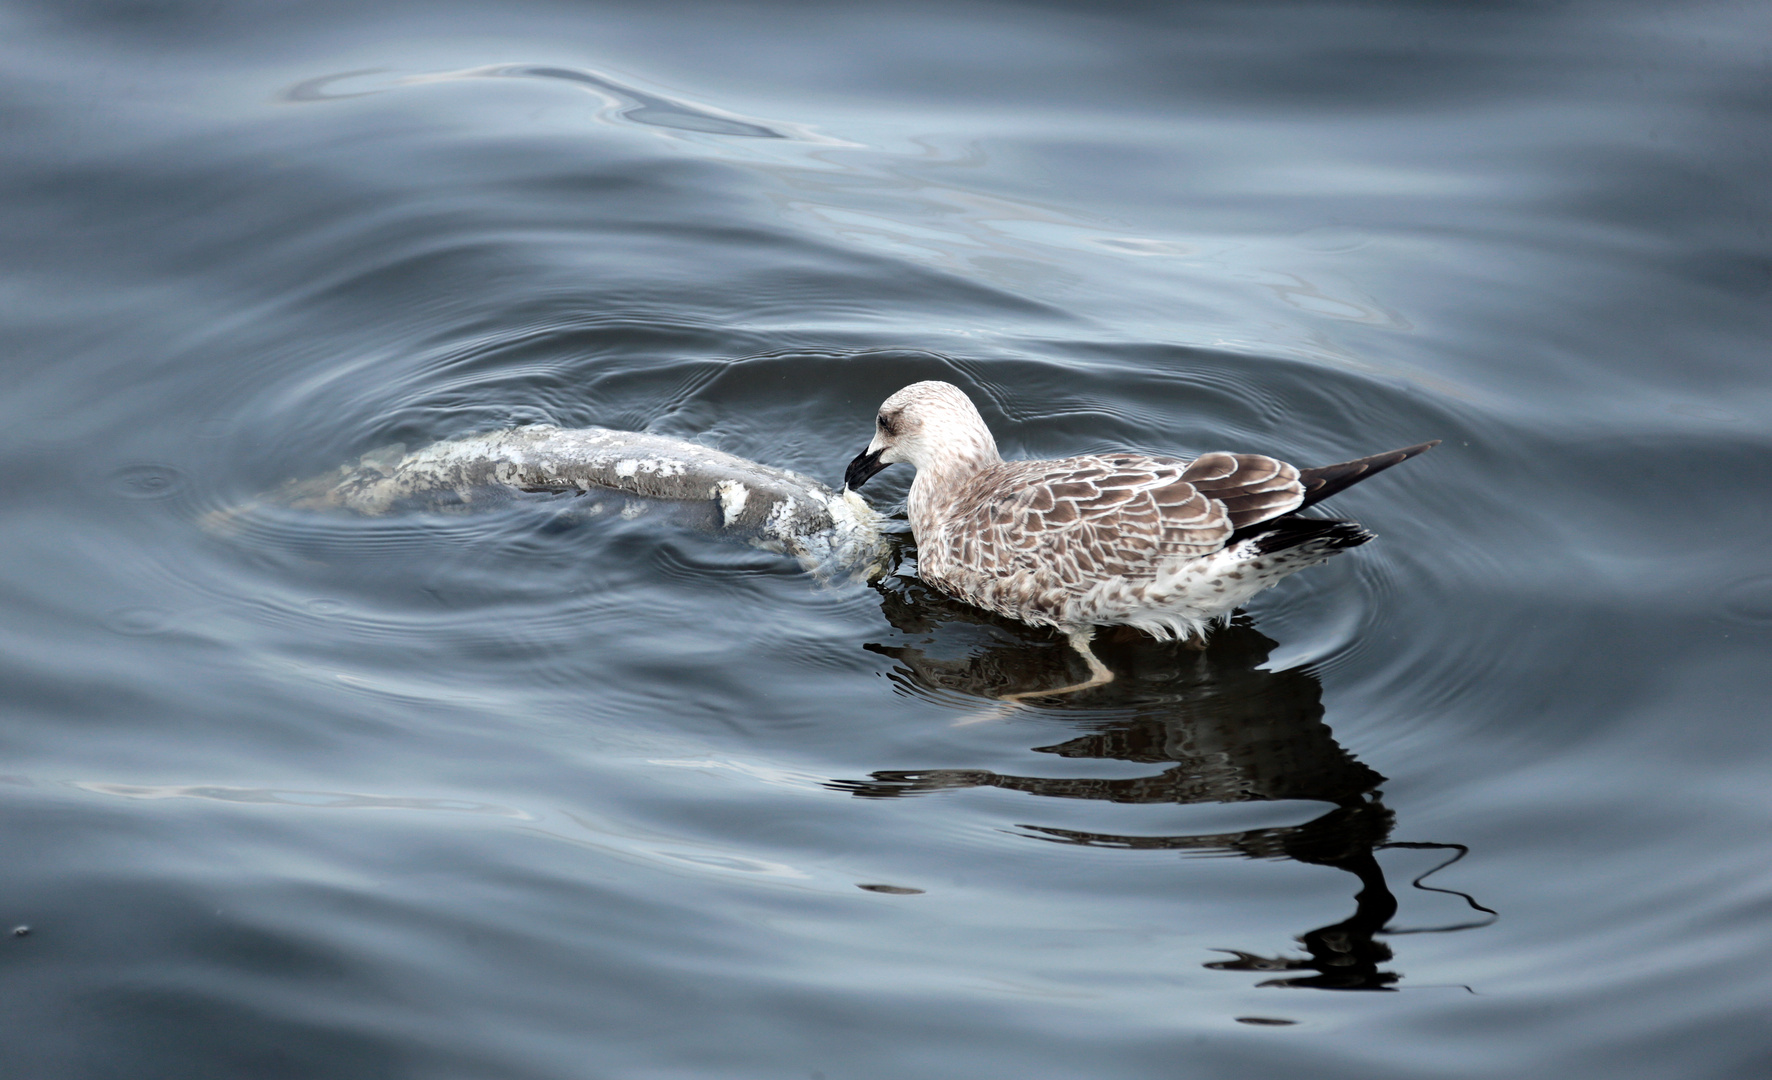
929, 425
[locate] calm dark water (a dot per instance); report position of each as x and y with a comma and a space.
502, 796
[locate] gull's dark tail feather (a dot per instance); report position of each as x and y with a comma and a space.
1327, 480
1321, 534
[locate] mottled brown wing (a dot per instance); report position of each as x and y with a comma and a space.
1252, 487
1081, 520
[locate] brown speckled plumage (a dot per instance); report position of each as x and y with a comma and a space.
1164, 544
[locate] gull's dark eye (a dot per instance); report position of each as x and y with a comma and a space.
885, 424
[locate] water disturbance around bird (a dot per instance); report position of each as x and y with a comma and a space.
420, 420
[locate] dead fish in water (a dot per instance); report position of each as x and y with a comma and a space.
770, 508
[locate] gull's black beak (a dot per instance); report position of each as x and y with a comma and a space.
864, 466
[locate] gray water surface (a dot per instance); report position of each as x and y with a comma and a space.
525, 795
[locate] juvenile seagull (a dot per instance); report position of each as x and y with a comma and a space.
1162, 544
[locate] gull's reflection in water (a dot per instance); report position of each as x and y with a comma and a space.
1227, 732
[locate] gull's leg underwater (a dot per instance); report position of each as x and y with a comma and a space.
1099, 675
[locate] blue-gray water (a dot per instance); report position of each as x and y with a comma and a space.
511, 796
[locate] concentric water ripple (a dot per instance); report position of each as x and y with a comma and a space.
558, 784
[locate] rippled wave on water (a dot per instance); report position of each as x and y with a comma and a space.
527, 793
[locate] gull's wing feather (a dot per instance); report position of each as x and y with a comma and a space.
1327, 480
1252, 487
1077, 521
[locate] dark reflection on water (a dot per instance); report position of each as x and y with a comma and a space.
514, 796
1236, 731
